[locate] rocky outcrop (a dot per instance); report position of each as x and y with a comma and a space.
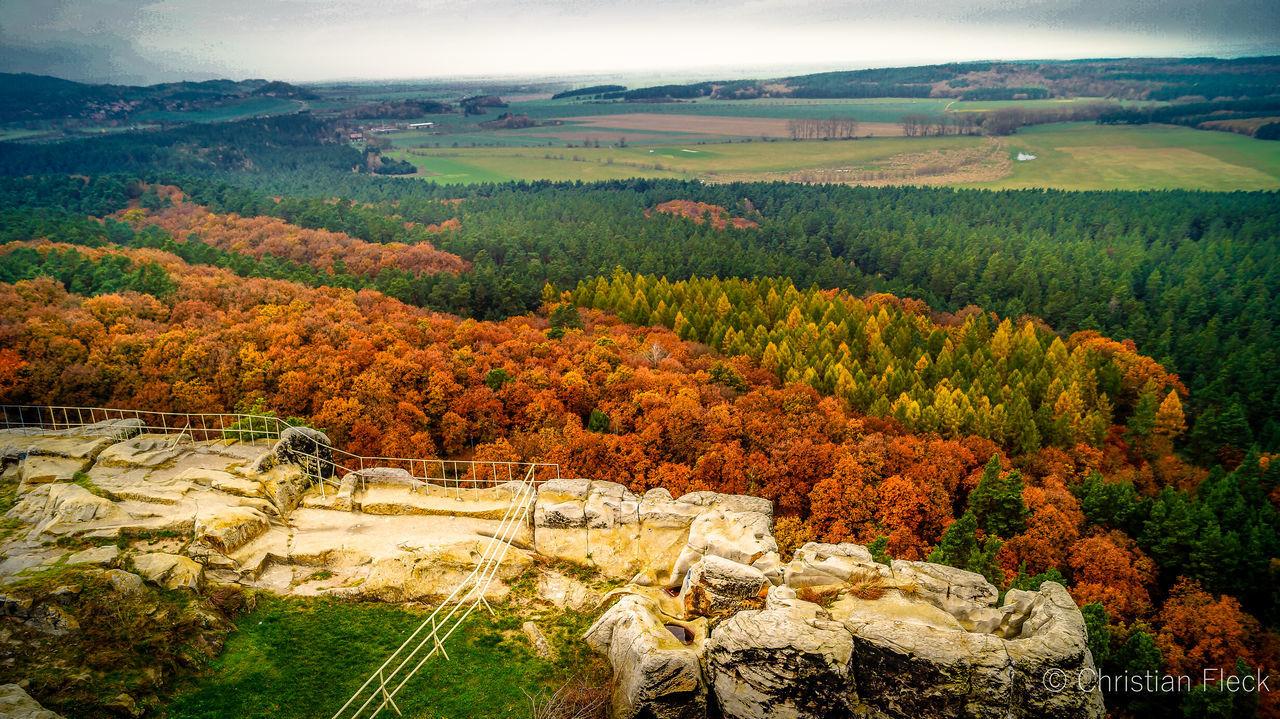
716, 586
904, 640
711, 618
652, 539
65, 509
781, 662
657, 673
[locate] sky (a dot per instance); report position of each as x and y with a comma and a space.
146, 41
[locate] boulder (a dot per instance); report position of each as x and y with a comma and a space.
716, 586
173, 571
128, 584
656, 673
781, 662
308, 448
228, 528
742, 537
15, 703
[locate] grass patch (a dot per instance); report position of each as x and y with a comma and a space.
82, 478
295, 657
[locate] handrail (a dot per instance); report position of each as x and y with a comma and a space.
457, 474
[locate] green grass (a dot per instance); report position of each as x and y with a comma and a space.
304, 657
1085, 156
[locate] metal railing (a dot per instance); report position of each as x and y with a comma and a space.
325, 463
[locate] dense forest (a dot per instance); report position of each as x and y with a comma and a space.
1190, 278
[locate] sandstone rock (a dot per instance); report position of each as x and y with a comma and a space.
222, 481
910, 669
912, 659
104, 556
730, 502
173, 571
66, 509
230, 527
816, 564
656, 674
283, 486
41, 470
380, 475
742, 537
15, 703
1053, 636
564, 592
432, 575
781, 663
148, 450
344, 498
717, 586
945, 585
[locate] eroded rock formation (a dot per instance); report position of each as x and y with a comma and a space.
711, 622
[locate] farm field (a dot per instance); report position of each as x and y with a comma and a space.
712, 162
1076, 156
1089, 157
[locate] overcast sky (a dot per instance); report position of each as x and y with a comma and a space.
142, 41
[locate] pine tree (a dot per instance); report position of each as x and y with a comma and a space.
997, 502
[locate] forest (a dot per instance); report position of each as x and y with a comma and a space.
1033, 385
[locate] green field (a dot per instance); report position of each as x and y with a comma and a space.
304, 658
1080, 156
1091, 157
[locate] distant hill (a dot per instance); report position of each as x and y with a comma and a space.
1160, 79
41, 97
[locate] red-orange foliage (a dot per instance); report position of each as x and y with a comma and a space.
1110, 569
1199, 631
699, 211
257, 236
